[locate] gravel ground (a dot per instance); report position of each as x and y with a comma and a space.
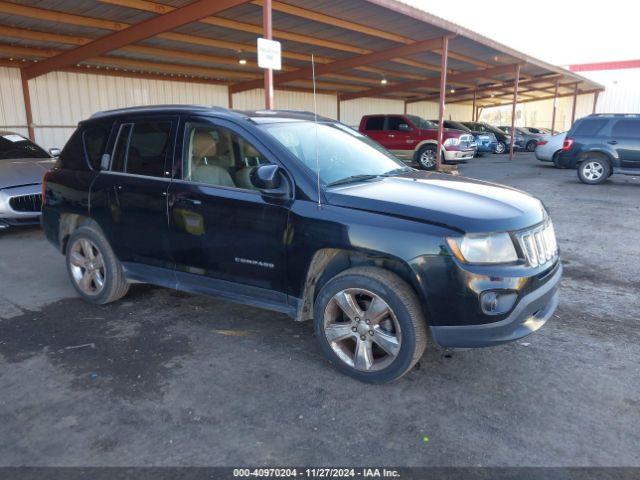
165, 378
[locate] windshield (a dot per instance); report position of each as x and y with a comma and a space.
457, 126
421, 123
343, 153
14, 146
493, 129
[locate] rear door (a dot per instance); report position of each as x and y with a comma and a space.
625, 139
130, 199
374, 128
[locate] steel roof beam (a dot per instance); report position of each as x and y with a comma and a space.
135, 33
433, 82
346, 63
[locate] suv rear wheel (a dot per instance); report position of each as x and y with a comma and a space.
369, 324
95, 272
594, 170
531, 146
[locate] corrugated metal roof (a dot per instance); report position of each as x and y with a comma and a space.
376, 25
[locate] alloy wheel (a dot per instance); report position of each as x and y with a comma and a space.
362, 329
593, 170
428, 158
87, 266
500, 147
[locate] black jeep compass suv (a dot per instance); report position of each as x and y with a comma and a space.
603, 144
309, 218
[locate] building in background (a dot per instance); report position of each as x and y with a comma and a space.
621, 95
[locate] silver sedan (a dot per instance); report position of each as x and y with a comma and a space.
549, 147
22, 166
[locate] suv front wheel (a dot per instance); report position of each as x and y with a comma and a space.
426, 157
594, 170
370, 324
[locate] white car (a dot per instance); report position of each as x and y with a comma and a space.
549, 147
22, 165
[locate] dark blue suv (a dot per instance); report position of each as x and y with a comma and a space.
603, 144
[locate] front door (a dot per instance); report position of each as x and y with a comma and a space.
625, 139
222, 230
130, 199
401, 137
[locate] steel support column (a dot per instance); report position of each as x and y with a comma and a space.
555, 106
268, 73
338, 105
595, 101
443, 97
473, 111
575, 101
513, 112
26, 95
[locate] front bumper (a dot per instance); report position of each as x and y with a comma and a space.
487, 147
529, 314
459, 155
24, 212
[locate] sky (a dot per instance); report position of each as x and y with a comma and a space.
561, 32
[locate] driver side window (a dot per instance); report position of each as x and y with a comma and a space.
215, 155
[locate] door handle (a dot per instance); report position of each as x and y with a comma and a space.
612, 142
191, 201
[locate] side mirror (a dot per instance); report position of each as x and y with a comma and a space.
266, 177
54, 152
403, 127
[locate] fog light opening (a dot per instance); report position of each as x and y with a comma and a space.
494, 302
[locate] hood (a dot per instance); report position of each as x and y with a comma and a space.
24, 171
464, 204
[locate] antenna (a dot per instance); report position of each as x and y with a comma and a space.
315, 122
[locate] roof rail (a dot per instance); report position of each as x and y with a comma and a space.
154, 108
615, 115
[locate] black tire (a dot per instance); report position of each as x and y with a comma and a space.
402, 302
531, 146
426, 157
114, 284
501, 148
594, 170
556, 160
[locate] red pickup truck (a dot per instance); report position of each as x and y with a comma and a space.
414, 139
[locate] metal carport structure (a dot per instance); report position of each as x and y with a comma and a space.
363, 48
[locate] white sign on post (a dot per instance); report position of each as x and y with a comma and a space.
269, 54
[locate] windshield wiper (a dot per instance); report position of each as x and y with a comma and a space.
398, 171
352, 179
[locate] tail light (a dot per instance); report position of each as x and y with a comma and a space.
542, 142
567, 144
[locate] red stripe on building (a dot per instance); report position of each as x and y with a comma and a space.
589, 67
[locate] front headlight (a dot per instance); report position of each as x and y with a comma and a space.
451, 141
494, 248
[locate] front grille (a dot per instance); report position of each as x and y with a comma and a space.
466, 141
539, 244
26, 203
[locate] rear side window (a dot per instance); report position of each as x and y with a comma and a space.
374, 123
95, 140
148, 148
142, 148
394, 123
590, 127
72, 155
626, 128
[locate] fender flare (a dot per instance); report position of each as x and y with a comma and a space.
422, 144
